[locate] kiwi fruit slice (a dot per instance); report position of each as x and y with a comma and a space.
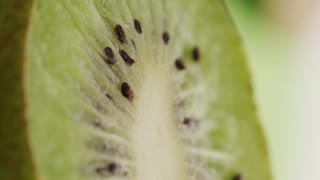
126, 89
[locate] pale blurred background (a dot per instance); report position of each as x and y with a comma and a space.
282, 39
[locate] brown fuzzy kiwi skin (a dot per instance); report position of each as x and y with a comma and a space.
15, 153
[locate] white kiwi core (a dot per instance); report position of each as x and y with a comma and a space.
157, 148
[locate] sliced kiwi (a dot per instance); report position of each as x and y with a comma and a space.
126, 89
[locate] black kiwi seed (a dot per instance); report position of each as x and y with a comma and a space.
137, 26
165, 37
110, 57
102, 171
120, 33
180, 64
196, 54
112, 167
126, 58
187, 121
237, 177
127, 91
98, 125
108, 96
190, 123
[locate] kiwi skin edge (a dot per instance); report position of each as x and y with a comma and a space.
15, 158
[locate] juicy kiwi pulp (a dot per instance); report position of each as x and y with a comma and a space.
141, 90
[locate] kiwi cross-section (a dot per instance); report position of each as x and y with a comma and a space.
126, 90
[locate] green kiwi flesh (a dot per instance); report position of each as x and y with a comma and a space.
136, 90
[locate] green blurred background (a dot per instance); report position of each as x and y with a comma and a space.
266, 44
